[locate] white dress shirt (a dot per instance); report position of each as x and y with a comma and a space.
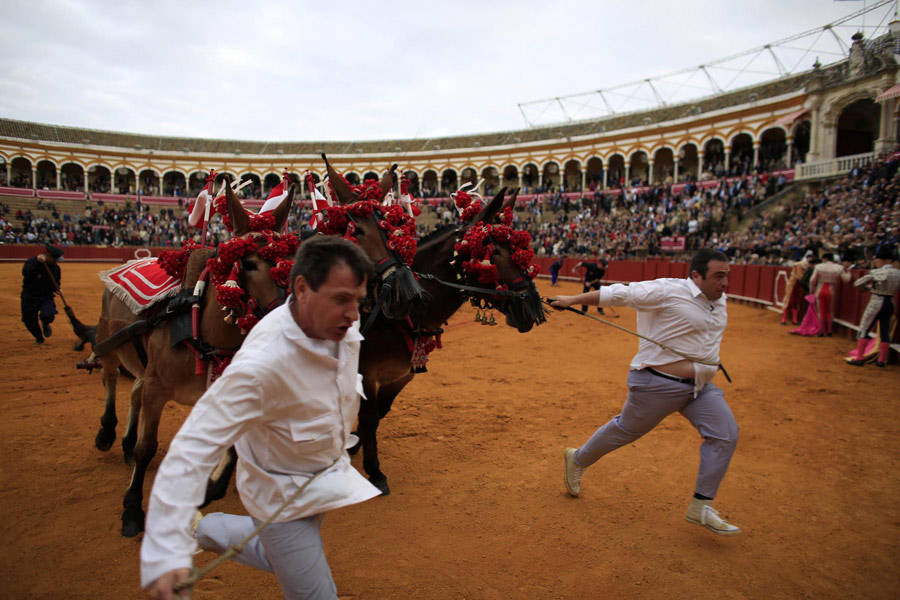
676, 313
287, 405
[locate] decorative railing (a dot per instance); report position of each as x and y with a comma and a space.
832, 167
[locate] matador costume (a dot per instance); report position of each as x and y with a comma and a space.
884, 283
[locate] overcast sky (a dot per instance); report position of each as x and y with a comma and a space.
354, 70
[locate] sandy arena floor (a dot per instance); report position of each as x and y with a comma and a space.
473, 451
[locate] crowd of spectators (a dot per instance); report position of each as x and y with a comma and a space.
850, 216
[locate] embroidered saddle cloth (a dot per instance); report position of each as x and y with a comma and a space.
140, 283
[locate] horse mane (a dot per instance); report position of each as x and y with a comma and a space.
439, 232
195, 265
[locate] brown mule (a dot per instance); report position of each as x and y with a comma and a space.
385, 356
169, 373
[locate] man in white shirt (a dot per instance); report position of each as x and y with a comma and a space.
287, 402
689, 316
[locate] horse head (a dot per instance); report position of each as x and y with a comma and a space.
385, 233
502, 256
250, 270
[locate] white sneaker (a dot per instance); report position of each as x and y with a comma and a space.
573, 473
701, 513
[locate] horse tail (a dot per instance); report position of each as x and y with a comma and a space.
84, 333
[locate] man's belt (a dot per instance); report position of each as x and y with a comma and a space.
689, 381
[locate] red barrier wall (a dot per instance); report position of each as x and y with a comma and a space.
81, 253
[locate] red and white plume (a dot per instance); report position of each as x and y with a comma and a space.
319, 203
278, 193
204, 198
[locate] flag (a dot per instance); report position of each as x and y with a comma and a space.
319, 205
278, 193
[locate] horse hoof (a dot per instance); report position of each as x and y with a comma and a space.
104, 441
131, 528
78, 346
128, 457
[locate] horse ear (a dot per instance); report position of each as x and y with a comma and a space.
282, 211
511, 201
343, 192
490, 211
389, 179
240, 220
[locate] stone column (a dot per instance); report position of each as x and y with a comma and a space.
675, 172
755, 154
583, 180
605, 174
34, 178
886, 134
650, 171
816, 133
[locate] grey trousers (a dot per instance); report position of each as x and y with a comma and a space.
292, 550
650, 400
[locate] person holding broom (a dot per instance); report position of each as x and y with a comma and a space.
41, 277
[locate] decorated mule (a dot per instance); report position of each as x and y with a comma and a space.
483, 260
250, 273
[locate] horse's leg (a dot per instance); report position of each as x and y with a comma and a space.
107, 433
368, 436
153, 399
388, 392
131, 428
370, 415
217, 485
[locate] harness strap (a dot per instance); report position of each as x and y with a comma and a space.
382, 298
469, 288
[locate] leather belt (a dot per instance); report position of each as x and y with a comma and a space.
689, 381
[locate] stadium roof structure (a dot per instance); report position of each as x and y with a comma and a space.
784, 58
672, 97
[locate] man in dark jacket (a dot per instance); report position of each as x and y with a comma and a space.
40, 279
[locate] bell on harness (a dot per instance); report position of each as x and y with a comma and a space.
478, 315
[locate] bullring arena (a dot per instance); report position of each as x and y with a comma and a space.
808, 160
474, 452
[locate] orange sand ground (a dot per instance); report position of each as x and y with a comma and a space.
473, 451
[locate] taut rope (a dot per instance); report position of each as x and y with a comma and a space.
548, 301
196, 574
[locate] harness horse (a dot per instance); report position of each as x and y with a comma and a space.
392, 346
164, 372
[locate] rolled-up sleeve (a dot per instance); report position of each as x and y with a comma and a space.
642, 295
222, 414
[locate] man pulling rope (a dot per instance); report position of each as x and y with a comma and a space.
681, 323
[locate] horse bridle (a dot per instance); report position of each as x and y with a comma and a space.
392, 262
517, 288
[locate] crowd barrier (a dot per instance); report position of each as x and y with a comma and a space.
759, 285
